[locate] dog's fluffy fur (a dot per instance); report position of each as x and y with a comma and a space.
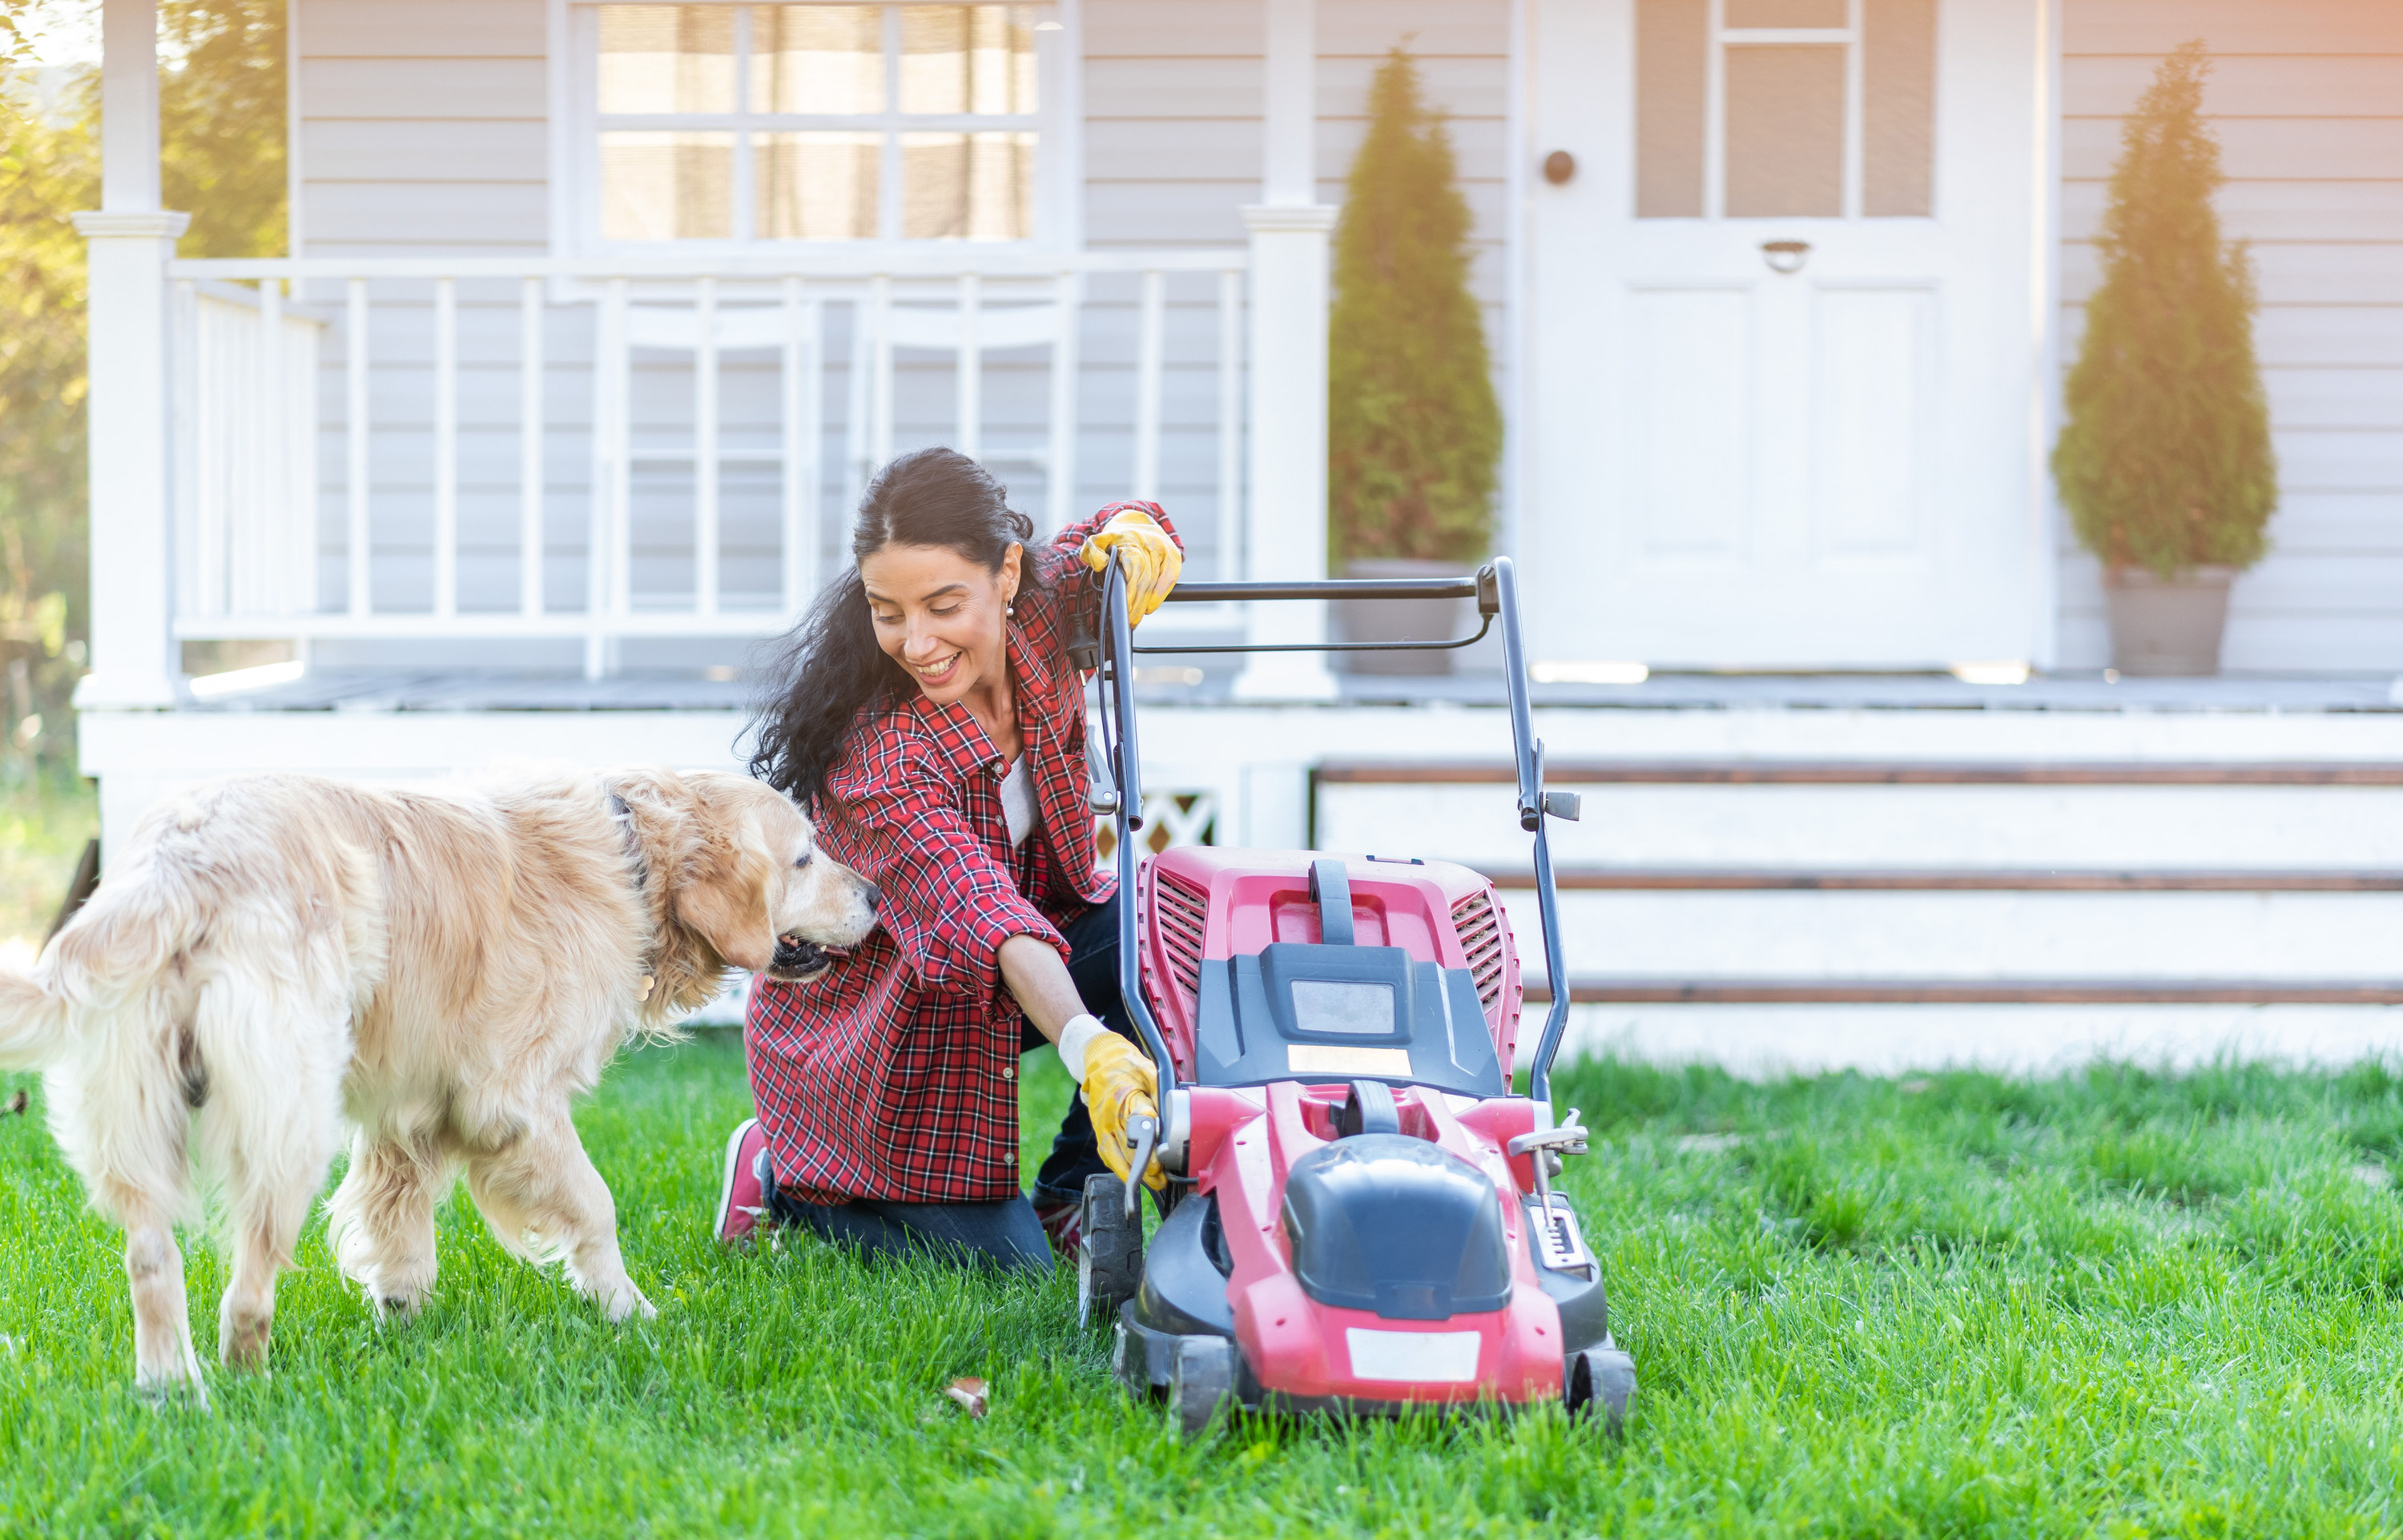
274, 958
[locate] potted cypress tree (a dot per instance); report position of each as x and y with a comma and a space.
2165, 461
1413, 430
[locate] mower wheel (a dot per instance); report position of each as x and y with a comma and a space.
1203, 1381
1109, 1257
1602, 1378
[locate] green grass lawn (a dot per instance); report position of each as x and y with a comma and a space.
2115, 1304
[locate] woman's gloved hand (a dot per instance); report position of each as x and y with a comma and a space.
1145, 553
1119, 1083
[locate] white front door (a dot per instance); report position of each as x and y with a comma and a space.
1783, 333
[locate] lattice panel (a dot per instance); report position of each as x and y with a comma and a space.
1170, 819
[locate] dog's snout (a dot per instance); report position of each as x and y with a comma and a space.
870, 897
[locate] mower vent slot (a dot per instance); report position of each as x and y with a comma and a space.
1181, 913
1480, 928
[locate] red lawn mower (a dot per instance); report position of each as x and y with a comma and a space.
1360, 1217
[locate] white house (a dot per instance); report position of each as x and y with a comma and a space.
597, 314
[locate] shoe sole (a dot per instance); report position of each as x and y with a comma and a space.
726, 1183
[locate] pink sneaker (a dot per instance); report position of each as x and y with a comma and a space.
742, 1189
1064, 1223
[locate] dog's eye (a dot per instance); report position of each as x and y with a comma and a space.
806, 856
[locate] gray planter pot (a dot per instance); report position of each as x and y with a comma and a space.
2167, 626
1398, 620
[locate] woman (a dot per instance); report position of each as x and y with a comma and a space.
935, 728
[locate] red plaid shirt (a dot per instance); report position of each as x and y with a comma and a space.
895, 1074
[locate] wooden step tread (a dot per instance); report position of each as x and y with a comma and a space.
1798, 773
1976, 991
1969, 880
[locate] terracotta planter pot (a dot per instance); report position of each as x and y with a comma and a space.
2167, 626
1397, 620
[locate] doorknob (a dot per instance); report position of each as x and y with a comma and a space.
1559, 167
1785, 255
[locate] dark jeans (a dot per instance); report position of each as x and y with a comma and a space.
1005, 1234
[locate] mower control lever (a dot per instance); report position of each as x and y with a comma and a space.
1544, 1147
1143, 1137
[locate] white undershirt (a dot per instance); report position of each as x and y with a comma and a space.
1017, 801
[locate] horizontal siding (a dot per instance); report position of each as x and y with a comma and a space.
2306, 97
422, 127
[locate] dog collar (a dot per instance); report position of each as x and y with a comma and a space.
624, 816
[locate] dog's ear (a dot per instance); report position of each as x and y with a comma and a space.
726, 902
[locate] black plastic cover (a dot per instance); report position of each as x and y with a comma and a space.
1294, 1012
1386, 1223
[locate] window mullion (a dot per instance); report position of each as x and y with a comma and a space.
746, 226
888, 199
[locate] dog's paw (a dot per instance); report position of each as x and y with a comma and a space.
622, 1305
169, 1387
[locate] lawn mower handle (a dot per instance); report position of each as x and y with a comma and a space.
1494, 586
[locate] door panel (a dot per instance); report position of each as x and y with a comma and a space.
1688, 357
1866, 437
1779, 357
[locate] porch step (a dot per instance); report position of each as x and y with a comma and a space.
1839, 816
1963, 893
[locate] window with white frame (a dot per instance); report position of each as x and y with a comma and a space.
818, 121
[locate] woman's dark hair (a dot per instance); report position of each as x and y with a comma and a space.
829, 664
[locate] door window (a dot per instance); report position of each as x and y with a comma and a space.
1752, 109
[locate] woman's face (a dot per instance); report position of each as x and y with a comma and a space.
940, 616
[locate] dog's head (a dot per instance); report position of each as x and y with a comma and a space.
759, 890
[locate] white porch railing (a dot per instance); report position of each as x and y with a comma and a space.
531, 449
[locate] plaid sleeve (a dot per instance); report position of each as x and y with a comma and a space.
948, 904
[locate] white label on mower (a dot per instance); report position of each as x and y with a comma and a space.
1343, 1059
1426, 1357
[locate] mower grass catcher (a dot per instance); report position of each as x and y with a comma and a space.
1360, 1217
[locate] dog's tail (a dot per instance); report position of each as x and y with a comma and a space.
33, 1023
114, 947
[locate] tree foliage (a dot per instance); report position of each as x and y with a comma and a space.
1413, 430
2165, 461
221, 114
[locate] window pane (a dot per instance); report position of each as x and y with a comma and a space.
817, 186
1898, 126
967, 186
817, 58
1785, 131
1672, 40
667, 186
667, 59
1785, 13
967, 59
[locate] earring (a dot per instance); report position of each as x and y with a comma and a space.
1009, 608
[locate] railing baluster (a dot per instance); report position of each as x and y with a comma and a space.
1149, 349
880, 404
1231, 424
704, 448
608, 465
530, 476
358, 535
446, 446
1059, 460
969, 407
263, 581
192, 442
622, 474
803, 432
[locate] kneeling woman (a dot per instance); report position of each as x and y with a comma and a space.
934, 727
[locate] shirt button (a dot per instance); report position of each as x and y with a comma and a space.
1009, 1071
1010, 1158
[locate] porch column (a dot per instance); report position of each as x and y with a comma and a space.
1285, 527
129, 241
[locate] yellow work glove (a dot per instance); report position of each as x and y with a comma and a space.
1146, 555
1120, 1083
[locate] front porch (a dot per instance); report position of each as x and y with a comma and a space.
1878, 872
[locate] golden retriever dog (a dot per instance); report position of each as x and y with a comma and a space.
275, 958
